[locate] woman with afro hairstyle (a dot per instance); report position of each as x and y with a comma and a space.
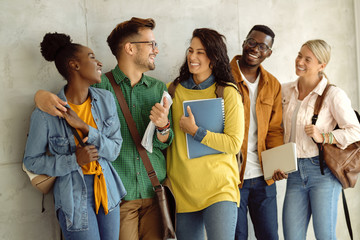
87, 190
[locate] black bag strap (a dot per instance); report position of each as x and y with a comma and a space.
347, 215
76, 134
134, 132
314, 118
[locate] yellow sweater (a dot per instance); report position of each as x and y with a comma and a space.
200, 182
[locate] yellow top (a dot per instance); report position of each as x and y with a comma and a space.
200, 182
93, 168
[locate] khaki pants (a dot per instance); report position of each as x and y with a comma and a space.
140, 219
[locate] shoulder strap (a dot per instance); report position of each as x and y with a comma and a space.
171, 89
318, 104
133, 131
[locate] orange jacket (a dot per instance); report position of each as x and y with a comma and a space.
268, 113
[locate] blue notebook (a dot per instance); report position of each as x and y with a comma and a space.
209, 114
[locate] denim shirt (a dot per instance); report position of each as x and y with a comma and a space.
50, 150
190, 84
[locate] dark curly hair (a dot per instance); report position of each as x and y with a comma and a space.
215, 47
125, 30
58, 47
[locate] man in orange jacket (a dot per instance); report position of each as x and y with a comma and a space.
263, 116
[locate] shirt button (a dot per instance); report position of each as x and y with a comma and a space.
138, 173
133, 105
137, 158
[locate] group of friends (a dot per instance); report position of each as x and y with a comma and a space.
103, 191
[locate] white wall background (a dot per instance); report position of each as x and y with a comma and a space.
23, 23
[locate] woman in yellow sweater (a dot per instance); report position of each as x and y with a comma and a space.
206, 188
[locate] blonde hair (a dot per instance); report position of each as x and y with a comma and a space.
321, 50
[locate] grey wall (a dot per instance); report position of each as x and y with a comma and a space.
23, 71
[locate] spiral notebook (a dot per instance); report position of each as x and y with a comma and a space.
209, 114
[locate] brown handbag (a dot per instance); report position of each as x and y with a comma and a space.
163, 191
343, 163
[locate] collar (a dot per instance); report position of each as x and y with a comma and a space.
121, 77
190, 84
319, 89
263, 74
62, 96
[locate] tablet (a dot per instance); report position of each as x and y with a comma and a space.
282, 157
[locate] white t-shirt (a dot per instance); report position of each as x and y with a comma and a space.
253, 168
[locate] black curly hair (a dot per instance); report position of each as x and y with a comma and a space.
215, 47
263, 29
58, 47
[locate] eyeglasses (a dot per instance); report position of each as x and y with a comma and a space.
153, 43
252, 43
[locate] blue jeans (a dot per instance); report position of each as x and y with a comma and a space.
218, 219
101, 226
310, 193
260, 199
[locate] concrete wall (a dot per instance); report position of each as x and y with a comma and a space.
23, 71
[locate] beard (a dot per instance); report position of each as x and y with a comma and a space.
145, 63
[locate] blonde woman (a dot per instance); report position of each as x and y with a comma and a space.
308, 192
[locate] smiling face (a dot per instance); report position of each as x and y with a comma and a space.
145, 54
306, 64
252, 56
198, 61
88, 66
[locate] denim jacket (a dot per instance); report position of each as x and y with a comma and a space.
50, 149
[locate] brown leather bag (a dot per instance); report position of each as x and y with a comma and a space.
344, 164
163, 191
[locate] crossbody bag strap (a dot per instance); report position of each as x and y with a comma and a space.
76, 134
133, 131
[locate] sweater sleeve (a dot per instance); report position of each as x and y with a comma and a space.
231, 140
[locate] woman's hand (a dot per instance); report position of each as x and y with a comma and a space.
313, 131
279, 175
73, 120
86, 154
50, 103
188, 124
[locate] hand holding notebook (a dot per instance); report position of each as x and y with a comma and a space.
209, 114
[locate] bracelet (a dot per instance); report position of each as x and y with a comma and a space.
163, 132
323, 134
331, 138
165, 127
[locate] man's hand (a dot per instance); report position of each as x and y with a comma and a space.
159, 114
50, 103
279, 175
188, 124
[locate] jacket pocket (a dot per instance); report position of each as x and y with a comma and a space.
59, 145
109, 125
266, 106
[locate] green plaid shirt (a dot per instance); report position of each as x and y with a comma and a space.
140, 99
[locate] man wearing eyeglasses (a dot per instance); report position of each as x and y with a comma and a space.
263, 116
133, 44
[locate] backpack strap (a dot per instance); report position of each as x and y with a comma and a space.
317, 107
